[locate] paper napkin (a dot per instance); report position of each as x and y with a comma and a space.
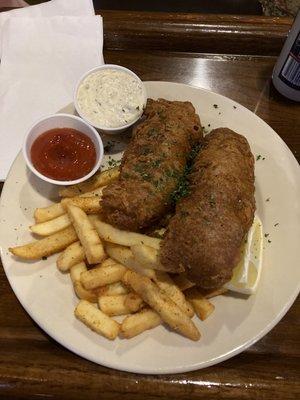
50, 9
42, 60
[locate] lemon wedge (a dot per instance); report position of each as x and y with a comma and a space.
247, 273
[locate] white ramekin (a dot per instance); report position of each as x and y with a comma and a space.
101, 128
62, 121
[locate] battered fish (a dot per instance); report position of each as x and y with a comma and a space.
152, 165
210, 224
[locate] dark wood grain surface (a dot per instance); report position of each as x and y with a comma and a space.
33, 366
200, 33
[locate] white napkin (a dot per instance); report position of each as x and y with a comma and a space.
50, 9
42, 59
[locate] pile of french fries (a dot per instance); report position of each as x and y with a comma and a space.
114, 272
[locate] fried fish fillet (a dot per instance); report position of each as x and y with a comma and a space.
210, 224
152, 165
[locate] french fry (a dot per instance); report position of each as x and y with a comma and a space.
125, 238
49, 227
203, 307
124, 256
208, 294
99, 179
182, 282
96, 320
102, 275
117, 305
148, 257
56, 210
81, 292
48, 213
88, 237
46, 246
72, 255
93, 193
162, 304
137, 323
76, 270
90, 205
133, 302
113, 289
165, 283
108, 262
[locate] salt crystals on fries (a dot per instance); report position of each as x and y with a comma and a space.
90, 205
47, 246
56, 210
88, 237
99, 179
48, 213
114, 235
72, 255
97, 320
121, 304
162, 304
81, 292
49, 227
103, 275
139, 322
165, 283
125, 256
202, 306
123, 276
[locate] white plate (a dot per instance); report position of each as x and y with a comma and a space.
47, 295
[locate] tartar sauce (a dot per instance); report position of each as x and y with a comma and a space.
110, 98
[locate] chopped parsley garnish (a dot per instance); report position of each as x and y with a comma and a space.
183, 188
114, 163
153, 132
139, 168
145, 150
269, 241
258, 157
266, 235
277, 223
234, 107
146, 176
173, 173
212, 200
216, 105
268, 199
156, 163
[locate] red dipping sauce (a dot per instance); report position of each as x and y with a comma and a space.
63, 154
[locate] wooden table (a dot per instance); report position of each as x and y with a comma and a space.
197, 50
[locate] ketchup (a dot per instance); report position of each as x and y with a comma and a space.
63, 154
